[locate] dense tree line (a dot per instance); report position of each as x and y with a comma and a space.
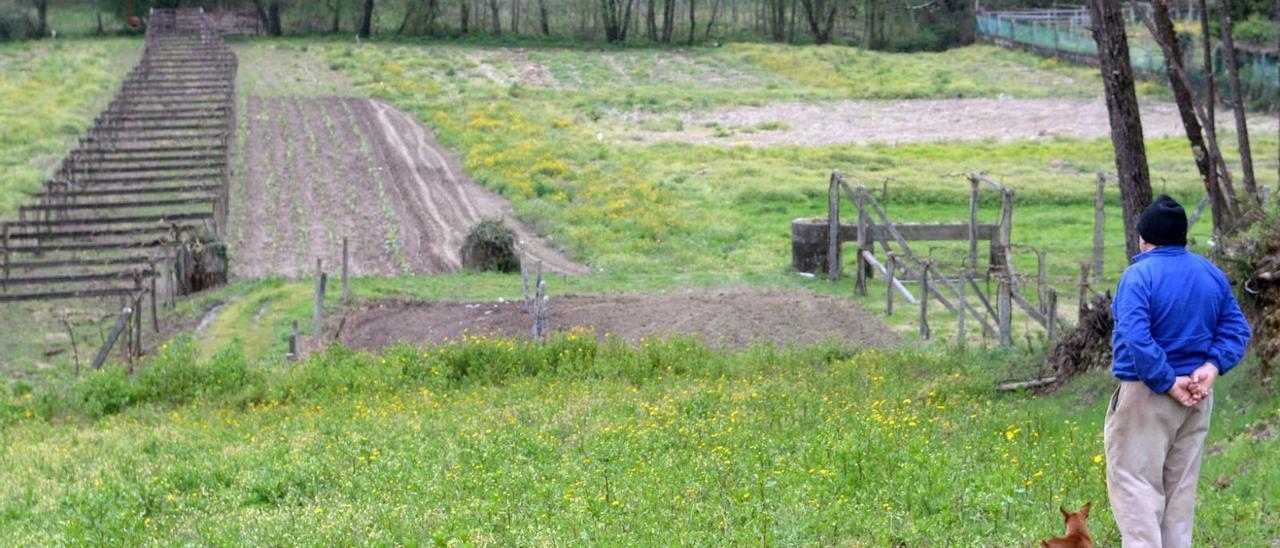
882, 24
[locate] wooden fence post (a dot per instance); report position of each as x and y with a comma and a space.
346, 289
317, 317
860, 278
1005, 308
891, 265
1006, 225
155, 322
137, 329
293, 343
121, 323
1052, 317
1099, 208
924, 300
973, 223
833, 228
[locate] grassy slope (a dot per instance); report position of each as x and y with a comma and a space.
50, 92
350, 448
490, 442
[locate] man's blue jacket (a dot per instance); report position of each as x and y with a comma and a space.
1174, 312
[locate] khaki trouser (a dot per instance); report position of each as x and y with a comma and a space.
1153, 445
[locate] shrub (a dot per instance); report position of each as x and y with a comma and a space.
103, 392
1256, 29
175, 376
490, 245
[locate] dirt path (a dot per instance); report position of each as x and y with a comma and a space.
318, 170
732, 318
906, 121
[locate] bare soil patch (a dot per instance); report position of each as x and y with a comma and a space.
319, 170
731, 318
905, 121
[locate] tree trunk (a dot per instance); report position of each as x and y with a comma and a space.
494, 11
715, 11
1122, 107
668, 20
97, 6
366, 24
542, 17
1206, 161
42, 18
262, 15
1237, 102
273, 13
693, 20
337, 17
409, 12
464, 17
821, 18
651, 20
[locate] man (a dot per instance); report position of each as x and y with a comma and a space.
1177, 328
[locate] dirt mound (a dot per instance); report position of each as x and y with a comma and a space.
731, 318
319, 170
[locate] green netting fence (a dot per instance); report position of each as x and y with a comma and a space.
1064, 32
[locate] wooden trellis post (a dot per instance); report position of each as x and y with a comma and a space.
973, 223
891, 266
1051, 328
860, 278
317, 317
833, 228
924, 300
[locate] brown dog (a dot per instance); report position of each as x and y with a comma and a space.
1077, 534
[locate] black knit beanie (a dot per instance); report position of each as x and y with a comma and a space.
1164, 222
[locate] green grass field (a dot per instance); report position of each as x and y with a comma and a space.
217, 440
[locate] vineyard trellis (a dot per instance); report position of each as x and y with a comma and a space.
151, 172
817, 246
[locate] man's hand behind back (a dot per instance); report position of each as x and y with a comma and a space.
1184, 391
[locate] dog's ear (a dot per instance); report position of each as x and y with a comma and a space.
1065, 513
1084, 510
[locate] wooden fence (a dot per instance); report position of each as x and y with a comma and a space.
152, 170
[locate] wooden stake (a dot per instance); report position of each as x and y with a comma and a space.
155, 322
75, 349
1052, 323
973, 223
1099, 209
924, 301
833, 228
890, 273
293, 343
860, 278
317, 318
121, 323
1004, 310
346, 289
137, 329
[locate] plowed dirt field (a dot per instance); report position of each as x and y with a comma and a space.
732, 318
319, 170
